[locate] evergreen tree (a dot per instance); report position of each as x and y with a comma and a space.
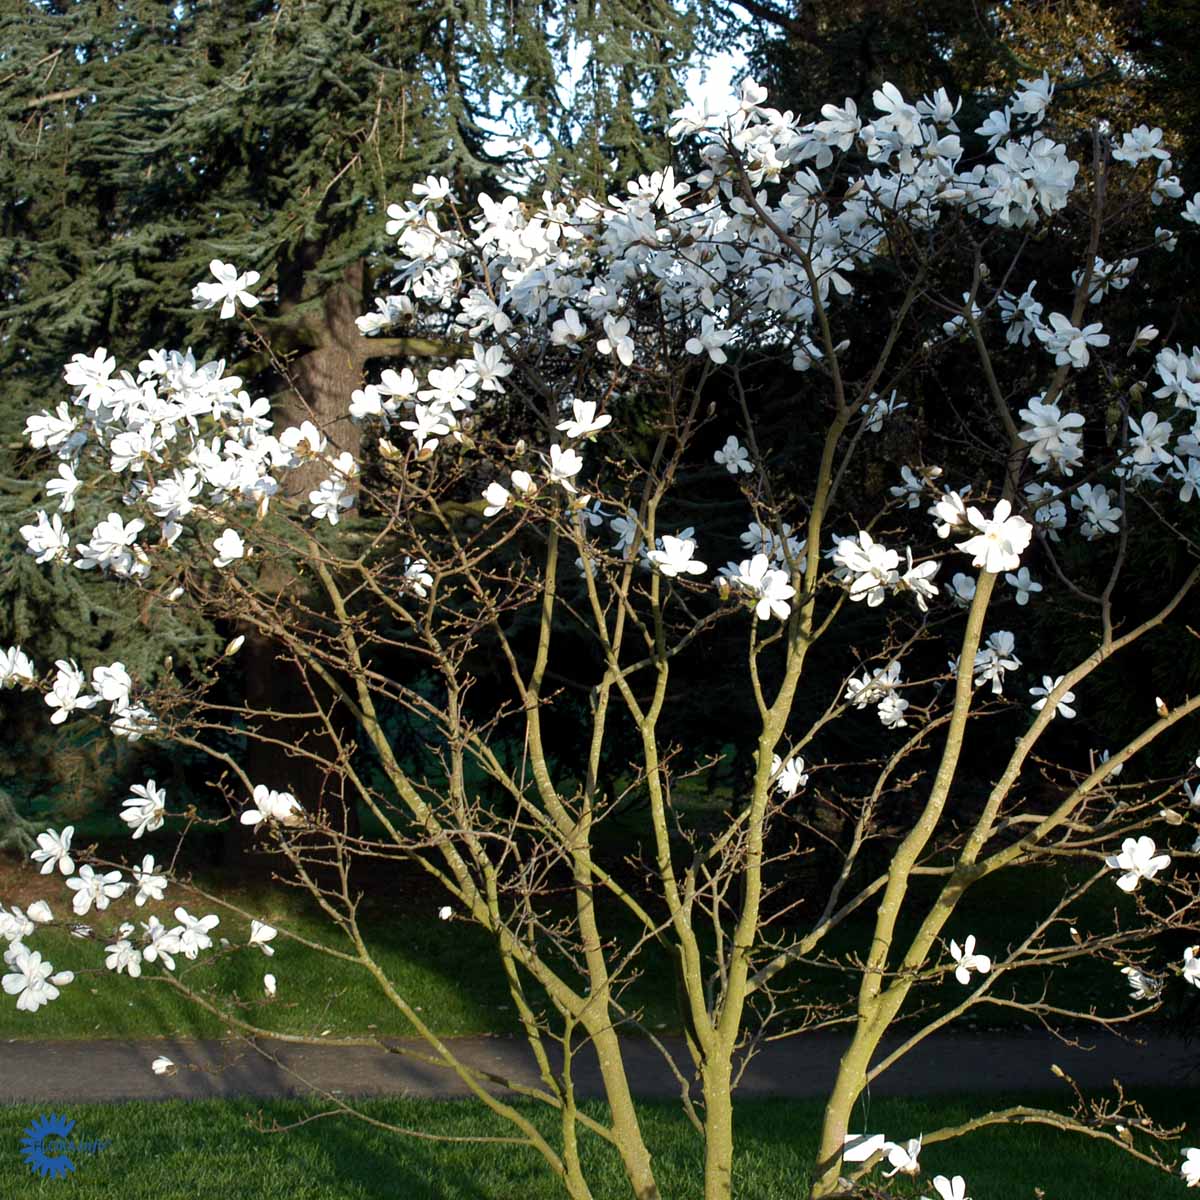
143, 139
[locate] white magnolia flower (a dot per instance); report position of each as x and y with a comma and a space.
90, 887
968, 960
228, 290
269, 985
163, 1066
733, 456
496, 498
1190, 1168
1054, 437
950, 1189
1069, 345
902, 1157
995, 659
144, 811
161, 943
583, 420
1063, 707
789, 778
150, 886
768, 586
16, 667
1137, 861
962, 589
1025, 584
445, 912
1001, 540
229, 547
54, 850
66, 692
675, 557
124, 956
918, 579
270, 805
870, 567
113, 684
39, 911
193, 934
710, 340
261, 935
1191, 964
1099, 514
1141, 985
564, 466
617, 340
30, 980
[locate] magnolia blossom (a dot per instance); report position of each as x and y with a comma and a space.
261, 935
32, 980
229, 547
583, 420
564, 466
163, 1066
54, 850
1024, 583
124, 956
995, 659
788, 777
1063, 707
228, 288
445, 912
902, 1157
950, 1189
16, 667
270, 805
1137, 861
1001, 540
869, 566
675, 556
1069, 345
193, 935
968, 960
1191, 965
768, 586
144, 811
1141, 985
150, 885
710, 340
1099, 514
733, 456
269, 985
66, 692
91, 887
1190, 1168
1053, 437
496, 498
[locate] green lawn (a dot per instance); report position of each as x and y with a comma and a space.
449, 970
209, 1149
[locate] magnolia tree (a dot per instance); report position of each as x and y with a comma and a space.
540, 640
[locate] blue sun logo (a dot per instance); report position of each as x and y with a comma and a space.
35, 1152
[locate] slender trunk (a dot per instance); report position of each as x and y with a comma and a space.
851, 1079
718, 1129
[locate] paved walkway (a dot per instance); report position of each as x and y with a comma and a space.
81, 1072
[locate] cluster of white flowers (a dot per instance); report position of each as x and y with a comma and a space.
67, 692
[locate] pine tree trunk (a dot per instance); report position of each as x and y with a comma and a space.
275, 683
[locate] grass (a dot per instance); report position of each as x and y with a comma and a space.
429, 960
203, 1149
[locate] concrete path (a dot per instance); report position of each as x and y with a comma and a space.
82, 1072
